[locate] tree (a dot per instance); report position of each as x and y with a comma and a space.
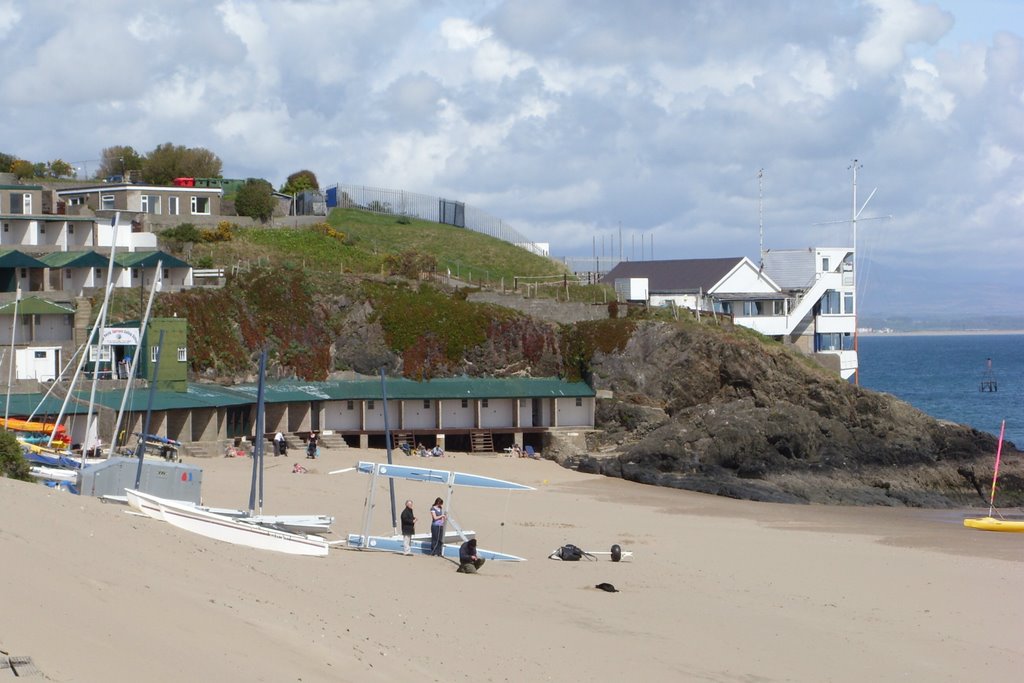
255, 199
299, 181
6, 161
61, 169
118, 160
12, 463
169, 161
23, 169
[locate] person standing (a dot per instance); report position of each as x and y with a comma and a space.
278, 444
408, 528
468, 560
437, 521
311, 446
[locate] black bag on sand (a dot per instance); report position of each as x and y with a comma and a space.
570, 553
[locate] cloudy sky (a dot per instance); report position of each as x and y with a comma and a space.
573, 121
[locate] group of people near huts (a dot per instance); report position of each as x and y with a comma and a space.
469, 562
421, 450
312, 445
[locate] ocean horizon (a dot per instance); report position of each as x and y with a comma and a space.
941, 374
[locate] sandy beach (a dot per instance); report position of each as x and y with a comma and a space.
717, 590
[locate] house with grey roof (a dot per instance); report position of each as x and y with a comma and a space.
804, 297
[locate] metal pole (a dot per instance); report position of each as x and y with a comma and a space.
141, 450
387, 444
10, 367
256, 497
135, 357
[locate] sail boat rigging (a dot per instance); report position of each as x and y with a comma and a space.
991, 523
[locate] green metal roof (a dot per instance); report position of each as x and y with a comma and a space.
148, 259
33, 305
292, 391
12, 258
75, 259
21, 187
407, 389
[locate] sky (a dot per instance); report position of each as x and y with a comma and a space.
577, 122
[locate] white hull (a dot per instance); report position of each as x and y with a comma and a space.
53, 473
296, 524
230, 530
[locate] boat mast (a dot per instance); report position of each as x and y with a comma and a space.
141, 450
89, 422
135, 357
256, 497
387, 443
10, 367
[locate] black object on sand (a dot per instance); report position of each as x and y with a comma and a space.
607, 587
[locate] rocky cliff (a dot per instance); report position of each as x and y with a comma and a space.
703, 409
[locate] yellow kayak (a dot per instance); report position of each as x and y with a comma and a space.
993, 524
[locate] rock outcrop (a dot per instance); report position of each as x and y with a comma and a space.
726, 413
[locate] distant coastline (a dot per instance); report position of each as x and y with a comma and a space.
933, 333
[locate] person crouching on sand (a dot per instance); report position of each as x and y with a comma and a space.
468, 560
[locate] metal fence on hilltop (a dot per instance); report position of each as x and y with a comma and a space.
429, 208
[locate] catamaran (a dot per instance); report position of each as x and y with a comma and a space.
293, 534
420, 544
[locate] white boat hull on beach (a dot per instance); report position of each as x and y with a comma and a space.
187, 516
296, 524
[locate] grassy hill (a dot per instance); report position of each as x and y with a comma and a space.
356, 241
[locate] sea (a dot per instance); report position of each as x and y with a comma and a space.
942, 374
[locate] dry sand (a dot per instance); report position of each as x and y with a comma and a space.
718, 590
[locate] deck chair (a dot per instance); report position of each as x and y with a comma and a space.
530, 453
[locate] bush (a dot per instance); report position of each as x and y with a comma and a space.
182, 233
12, 463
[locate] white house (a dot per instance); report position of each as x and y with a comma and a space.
805, 297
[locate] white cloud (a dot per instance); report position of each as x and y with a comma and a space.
563, 118
896, 24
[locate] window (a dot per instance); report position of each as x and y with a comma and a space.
751, 308
369, 405
26, 203
426, 403
99, 353
107, 202
99, 272
182, 354
824, 264
848, 303
76, 201
39, 354
71, 230
483, 403
154, 353
67, 273
778, 307
135, 273
24, 272
579, 402
350, 405
150, 203
830, 303
172, 206
201, 206
167, 273
465, 403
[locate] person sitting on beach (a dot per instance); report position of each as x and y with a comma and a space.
299, 469
437, 452
516, 451
421, 450
468, 560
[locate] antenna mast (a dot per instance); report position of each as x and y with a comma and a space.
760, 214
